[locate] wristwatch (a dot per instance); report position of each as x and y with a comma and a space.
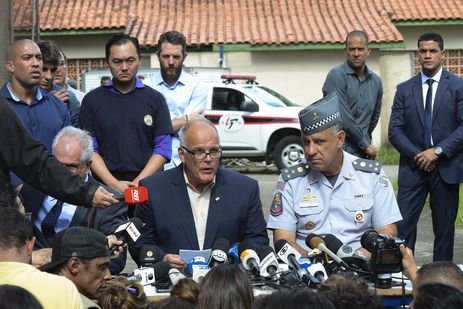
438, 151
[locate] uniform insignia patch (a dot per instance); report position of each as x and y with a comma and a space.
280, 185
276, 209
383, 180
359, 216
310, 225
295, 171
370, 166
148, 120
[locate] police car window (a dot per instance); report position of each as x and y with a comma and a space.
227, 99
266, 97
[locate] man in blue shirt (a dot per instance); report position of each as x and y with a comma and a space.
185, 95
129, 121
42, 113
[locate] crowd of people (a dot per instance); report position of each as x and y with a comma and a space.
69, 154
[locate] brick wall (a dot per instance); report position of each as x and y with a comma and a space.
5, 34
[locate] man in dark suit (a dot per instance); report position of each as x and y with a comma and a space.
73, 148
426, 127
197, 202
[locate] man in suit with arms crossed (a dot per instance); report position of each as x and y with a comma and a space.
196, 203
426, 127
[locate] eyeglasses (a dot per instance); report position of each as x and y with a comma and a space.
201, 154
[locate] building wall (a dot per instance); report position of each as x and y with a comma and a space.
5, 34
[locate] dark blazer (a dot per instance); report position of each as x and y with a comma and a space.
235, 213
406, 127
105, 220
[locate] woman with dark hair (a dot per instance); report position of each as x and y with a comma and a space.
299, 298
15, 297
226, 287
187, 289
437, 296
122, 293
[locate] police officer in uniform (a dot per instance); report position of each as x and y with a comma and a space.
334, 192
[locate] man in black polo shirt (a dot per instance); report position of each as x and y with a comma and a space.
129, 121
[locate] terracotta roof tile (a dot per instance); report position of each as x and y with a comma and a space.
254, 22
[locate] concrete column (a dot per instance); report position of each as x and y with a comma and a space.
6, 33
395, 67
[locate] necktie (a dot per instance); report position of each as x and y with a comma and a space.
50, 220
428, 115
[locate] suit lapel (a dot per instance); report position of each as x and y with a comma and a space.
418, 95
216, 208
441, 89
80, 217
183, 207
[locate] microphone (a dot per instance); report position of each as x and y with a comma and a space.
233, 257
198, 268
249, 257
335, 244
133, 195
268, 261
219, 252
316, 242
147, 256
128, 232
290, 256
149, 275
175, 276
315, 269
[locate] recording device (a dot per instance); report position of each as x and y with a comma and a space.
316, 242
133, 195
386, 257
233, 257
249, 258
315, 269
149, 275
198, 268
175, 276
128, 232
335, 244
290, 256
219, 252
268, 261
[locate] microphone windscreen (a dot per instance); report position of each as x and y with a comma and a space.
245, 245
279, 244
161, 269
313, 240
221, 244
368, 239
332, 242
136, 195
264, 251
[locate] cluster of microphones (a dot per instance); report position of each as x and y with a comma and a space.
283, 266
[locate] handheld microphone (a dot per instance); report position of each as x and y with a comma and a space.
316, 242
315, 269
128, 232
149, 275
219, 252
148, 256
175, 276
248, 256
268, 261
133, 195
198, 268
290, 256
233, 257
335, 244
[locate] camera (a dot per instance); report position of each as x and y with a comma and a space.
386, 257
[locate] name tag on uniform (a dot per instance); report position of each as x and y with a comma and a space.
308, 204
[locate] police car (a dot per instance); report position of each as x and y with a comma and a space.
254, 121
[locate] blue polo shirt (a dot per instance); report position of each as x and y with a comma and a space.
43, 118
127, 128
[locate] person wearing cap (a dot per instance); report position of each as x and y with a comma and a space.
360, 93
16, 243
334, 192
81, 254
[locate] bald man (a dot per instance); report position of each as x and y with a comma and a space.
43, 114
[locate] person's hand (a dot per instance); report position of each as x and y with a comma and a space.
371, 151
41, 257
408, 263
426, 160
121, 185
102, 198
112, 241
195, 115
61, 94
175, 261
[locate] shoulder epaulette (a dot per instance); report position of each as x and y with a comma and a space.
369, 166
295, 171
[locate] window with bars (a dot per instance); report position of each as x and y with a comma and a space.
453, 61
77, 66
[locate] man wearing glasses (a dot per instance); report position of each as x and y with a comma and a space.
197, 202
72, 148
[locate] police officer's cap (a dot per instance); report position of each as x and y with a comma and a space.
320, 115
